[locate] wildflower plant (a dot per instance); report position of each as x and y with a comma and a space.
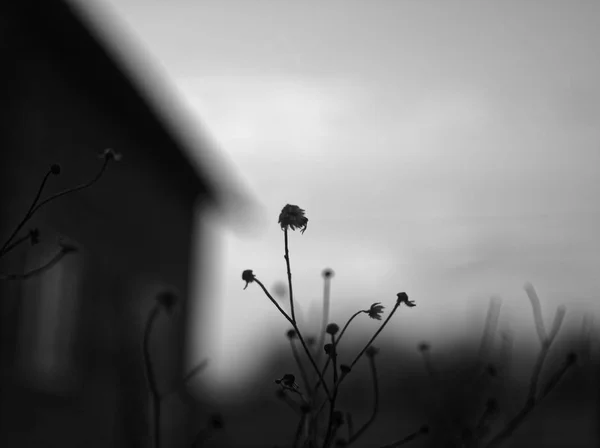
18, 237
315, 429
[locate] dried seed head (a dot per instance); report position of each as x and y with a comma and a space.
424, 347
371, 351
332, 329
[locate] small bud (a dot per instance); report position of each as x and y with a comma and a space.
167, 299
332, 329
328, 349
291, 334
572, 358
248, 277
424, 347
55, 169
310, 341
424, 429
371, 351
345, 369
491, 370
327, 273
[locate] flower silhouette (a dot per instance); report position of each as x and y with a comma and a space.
292, 217
403, 298
248, 277
375, 311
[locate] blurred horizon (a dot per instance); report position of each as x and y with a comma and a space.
449, 150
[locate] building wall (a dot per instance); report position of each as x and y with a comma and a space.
133, 228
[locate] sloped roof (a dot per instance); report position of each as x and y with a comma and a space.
83, 39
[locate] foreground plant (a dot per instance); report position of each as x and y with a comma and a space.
309, 434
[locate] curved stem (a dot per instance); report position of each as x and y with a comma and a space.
35, 271
150, 377
73, 189
364, 427
5, 247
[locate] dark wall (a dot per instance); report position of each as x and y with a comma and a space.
133, 229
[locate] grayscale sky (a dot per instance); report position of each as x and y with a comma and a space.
449, 149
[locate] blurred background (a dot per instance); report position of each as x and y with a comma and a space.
445, 149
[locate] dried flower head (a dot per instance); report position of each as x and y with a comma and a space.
292, 217
371, 351
327, 273
403, 298
110, 154
55, 169
332, 329
248, 277
167, 299
375, 311
328, 349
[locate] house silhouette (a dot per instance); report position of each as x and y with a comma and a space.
70, 338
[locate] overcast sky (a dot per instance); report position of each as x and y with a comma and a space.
449, 149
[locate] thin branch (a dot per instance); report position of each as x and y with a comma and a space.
59, 255
289, 273
73, 189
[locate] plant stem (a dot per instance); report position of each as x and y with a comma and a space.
332, 355
375, 403
154, 394
291, 321
289, 273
